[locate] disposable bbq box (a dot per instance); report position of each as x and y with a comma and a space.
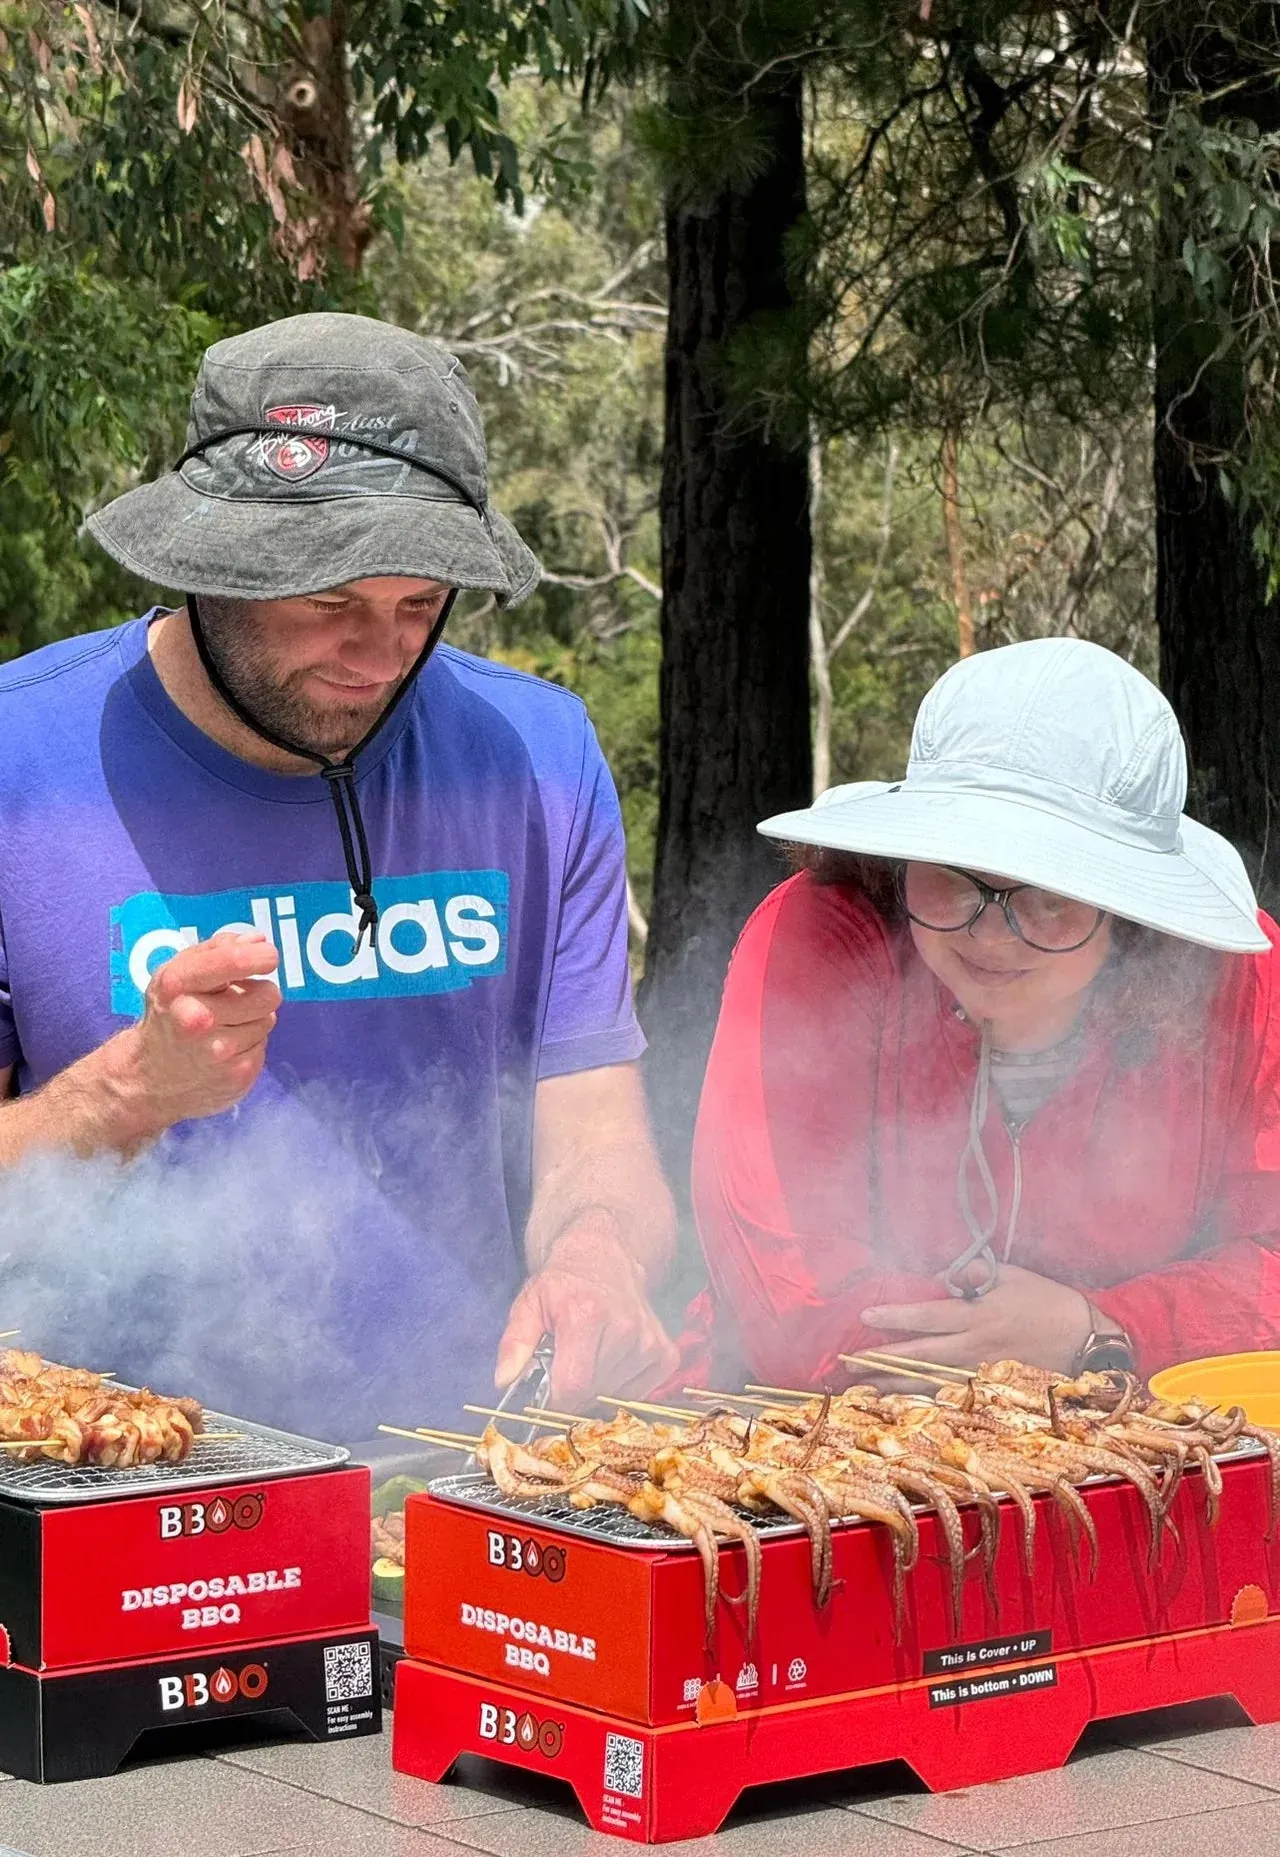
81, 1724
659, 1785
116, 1584
574, 1644
594, 1609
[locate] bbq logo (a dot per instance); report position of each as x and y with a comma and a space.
524, 1731
290, 456
526, 1556
437, 932
196, 1690
210, 1518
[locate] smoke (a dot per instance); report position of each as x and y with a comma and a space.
320, 1259
839, 1106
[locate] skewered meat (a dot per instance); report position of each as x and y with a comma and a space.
701, 1518
693, 1496
1010, 1430
110, 1432
1119, 1435
905, 1457
855, 1483
75, 1417
22, 1364
1220, 1429
519, 1470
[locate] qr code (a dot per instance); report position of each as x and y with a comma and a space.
623, 1765
348, 1672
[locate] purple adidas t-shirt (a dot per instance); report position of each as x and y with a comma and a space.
344, 1246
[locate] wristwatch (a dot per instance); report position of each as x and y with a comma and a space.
1106, 1348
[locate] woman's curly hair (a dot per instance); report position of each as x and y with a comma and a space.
1154, 987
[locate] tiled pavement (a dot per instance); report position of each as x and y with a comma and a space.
1183, 1785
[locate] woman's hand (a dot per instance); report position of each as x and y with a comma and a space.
1025, 1317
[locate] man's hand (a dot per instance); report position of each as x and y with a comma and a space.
589, 1294
1026, 1317
601, 1230
201, 1042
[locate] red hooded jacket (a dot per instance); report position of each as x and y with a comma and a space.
835, 1111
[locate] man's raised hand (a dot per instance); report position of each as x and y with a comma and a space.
202, 1039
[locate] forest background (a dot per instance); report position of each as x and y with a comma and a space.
558, 311
975, 293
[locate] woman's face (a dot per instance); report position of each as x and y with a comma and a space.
1029, 996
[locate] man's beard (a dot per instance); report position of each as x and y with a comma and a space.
280, 704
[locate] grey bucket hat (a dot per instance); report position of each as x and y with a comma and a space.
323, 449
1052, 763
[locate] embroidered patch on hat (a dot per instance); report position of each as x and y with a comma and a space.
293, 457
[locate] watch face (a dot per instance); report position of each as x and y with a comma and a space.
1108, 1353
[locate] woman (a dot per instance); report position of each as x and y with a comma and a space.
996, 1072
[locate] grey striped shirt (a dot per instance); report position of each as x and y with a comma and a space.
1025, 1080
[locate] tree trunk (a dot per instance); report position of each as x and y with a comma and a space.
819, 655
734, 691
965, 641
316, 110
1219, 631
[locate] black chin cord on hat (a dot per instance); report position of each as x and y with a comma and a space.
339, 776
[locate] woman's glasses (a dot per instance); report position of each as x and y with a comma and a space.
941, 897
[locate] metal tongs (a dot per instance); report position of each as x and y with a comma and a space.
530, 1389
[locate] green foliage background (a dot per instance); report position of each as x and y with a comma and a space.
160, 244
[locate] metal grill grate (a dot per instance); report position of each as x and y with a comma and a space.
260, 1451
605, 1523
618, 1528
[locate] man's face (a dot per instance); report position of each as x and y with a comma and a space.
320, 669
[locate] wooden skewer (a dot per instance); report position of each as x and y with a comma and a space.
33, 1444
914, 1360
517, 1418
905, 1373
432, 1437
565, 1418
786, 1392
644, 1405
708, 1392
7, 1334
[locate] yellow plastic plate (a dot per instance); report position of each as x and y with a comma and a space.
1248, 1380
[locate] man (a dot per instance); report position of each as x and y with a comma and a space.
364, 1106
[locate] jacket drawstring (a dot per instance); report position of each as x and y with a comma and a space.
981, 1230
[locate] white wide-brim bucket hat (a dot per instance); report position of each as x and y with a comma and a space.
1053, 763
